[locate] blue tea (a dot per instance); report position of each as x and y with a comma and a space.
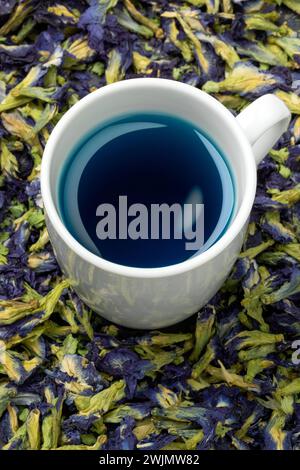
146, 190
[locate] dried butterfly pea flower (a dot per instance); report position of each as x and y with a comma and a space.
286, 290
93, 18
33, 429
18, 439
139, 17
201, 54
123, 437
119, 60
17, 16
138, 411
264, 54
247, 80
174, 36
204, 330
275, 437
102, 401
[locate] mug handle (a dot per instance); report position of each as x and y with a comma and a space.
263, 122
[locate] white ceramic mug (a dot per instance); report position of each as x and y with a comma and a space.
158, 297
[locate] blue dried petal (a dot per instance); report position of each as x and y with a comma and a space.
175, 377
277, 230
18, 439
123, 437
124, 363
42, 262
161, 396
7, 6
286, 290
240, 269
228, 324
266, 203
80, 424
277, 181
71, 437
16, 55
18, 241
58, 14
105, 341
5, 431
289, 307
21, 328
81, 372
92, 21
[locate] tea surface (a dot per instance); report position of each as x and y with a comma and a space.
148, 159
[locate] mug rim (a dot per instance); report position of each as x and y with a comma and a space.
242, 214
